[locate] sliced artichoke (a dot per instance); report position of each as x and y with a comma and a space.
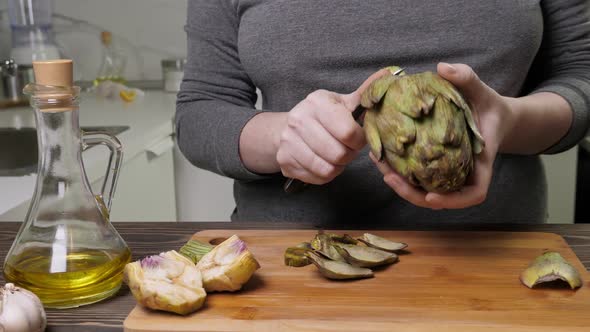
195, 250
549, 267
346, 239
324, 245
362, 256
382, 243
168, 282
296, 257
338, 270
317, 243
304, 245
228, 266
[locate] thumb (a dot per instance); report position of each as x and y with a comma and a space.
352, 100
465, 79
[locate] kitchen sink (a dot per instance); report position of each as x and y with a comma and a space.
18, 148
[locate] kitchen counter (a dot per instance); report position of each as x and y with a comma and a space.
110, 314
150, 120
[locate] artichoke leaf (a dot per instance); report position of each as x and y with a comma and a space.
396, 130
304, 245
345, 238
378, 88
376, 91
331, 253
447, 128
323, 245
548, 267
381, 243
338, 270
296, 257
372, 135
478, 142
409, 98
402, 167
362, 256
447, 89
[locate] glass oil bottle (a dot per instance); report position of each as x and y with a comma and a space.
67, 252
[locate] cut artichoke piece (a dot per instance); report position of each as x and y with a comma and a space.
549, 267
228, 266
195, 250
365, 256
296, 257
346, 239
324, 245
338, 270
304, 245
317, 243
168, 282
423, 128
382, 243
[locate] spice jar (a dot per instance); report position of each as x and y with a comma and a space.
172, 73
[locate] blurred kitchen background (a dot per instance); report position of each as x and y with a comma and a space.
157, 183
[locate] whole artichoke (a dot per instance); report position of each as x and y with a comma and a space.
422, 126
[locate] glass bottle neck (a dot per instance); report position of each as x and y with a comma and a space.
59, 140
58, 129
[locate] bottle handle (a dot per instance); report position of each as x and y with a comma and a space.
90, 139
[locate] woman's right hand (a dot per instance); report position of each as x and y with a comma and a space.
320, 137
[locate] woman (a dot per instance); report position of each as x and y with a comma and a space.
523, 65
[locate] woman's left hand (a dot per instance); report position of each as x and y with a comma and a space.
494, 117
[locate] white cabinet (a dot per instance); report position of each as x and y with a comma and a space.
201, 195
145, 191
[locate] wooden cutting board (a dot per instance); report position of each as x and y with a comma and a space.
449, 281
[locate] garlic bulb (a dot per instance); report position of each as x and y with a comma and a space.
20, 310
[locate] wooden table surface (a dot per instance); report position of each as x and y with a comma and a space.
151, 238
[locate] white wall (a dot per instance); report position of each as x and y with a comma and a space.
146, 31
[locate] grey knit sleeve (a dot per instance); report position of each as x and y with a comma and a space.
563, 65
216, 97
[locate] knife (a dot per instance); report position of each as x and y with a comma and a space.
294, 185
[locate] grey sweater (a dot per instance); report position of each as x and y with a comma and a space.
289, 48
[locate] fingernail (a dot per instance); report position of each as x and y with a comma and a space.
450, 67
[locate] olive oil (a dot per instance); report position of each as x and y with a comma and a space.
78, 278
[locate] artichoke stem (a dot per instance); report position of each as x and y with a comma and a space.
195, 250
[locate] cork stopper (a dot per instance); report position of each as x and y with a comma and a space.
58, 74
54, 72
